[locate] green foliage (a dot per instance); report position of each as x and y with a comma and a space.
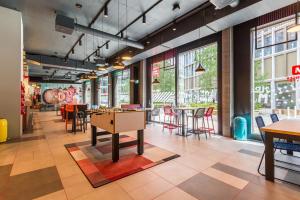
166, 77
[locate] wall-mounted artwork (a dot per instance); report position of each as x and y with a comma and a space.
61, 94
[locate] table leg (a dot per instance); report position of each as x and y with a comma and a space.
140, 145
115, 147
193, 114
94, 135
269, 160
289, 152
182, 123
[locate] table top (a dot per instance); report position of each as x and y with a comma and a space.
285, 126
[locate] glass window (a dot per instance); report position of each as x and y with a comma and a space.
291, 45
258, 51
122, 87
279, 37
103, 91
271, 90
267, 41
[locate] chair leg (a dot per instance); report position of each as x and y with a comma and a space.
212, 121
258, 169
208, 126
203, 123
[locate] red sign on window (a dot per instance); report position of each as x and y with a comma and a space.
296, 70
155, 71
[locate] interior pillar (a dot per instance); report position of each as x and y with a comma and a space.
11, 64
227, 81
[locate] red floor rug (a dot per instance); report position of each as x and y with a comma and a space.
97, 166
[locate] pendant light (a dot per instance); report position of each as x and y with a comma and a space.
200, 68
118, 65
92, 75
295, 27
84, 77
155, 81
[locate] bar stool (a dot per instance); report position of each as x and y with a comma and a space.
69, 110
173, 122
208, 114
199, 115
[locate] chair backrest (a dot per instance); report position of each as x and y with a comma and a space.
168, 110
260, 124
200, 112
274, 117
69, 108
155, 112
209, 111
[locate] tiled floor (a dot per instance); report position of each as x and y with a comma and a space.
218, 168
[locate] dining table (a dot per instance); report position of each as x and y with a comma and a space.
183, 111
288, 129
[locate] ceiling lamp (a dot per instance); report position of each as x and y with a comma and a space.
118, 65
101, 68
127, 56
295, 27
84, 77
92, 75
144, 19
200, 68
34, 62
105, 11
155, 81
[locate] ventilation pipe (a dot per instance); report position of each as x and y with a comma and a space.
67, 25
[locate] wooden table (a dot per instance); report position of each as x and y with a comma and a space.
115, 122
183, 110
288, 129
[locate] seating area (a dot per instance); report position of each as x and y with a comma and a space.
150, 100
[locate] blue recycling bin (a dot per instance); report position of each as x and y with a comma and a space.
240, 128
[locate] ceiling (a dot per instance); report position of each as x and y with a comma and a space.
40, 36
39, 22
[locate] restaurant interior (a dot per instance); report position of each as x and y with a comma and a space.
156, 99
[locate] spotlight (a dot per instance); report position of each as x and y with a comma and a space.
122, 35
105, 11
78, 5
73, 51
88, 59
80, 43
106, 45
144, 19
174, 29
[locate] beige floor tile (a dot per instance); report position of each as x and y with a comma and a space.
151, 190
175, 194
79, 189
59, 195
226, 178
132, 182
198, 163
74, 179
174, 172
107, 192
66, 170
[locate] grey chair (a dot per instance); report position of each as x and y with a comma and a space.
199, 115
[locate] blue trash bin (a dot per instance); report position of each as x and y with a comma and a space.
240, 128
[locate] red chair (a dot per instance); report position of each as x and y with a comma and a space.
208, 114
173, 122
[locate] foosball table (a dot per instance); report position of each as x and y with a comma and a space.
115, 122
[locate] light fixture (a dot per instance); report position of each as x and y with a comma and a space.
144, 19
107, 45
80, 42
92, 75
174, 29
118, 65
105, 11
295, 27
34, 62
155, 81
73, 51
84, 77
78, 5
122, 35
88, 59
127, 56
200, 68
101, 68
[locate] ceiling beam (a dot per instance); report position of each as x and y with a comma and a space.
89, 25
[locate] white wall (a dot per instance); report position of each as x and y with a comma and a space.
11, 46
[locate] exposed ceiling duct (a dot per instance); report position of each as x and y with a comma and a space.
67, 25
223, 3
